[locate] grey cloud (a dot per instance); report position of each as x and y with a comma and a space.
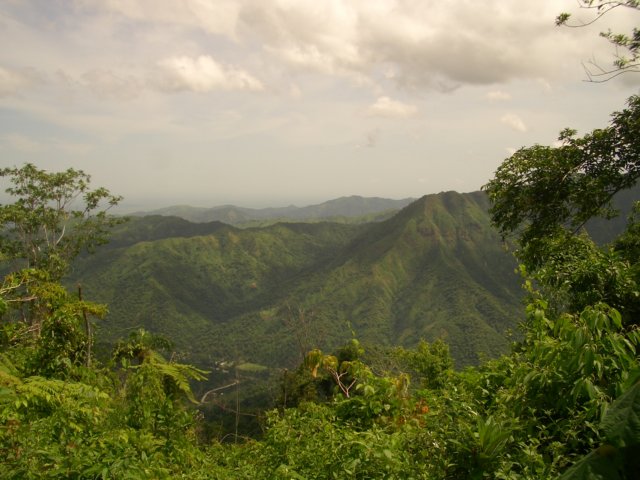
468, 45
171, 75
111, 84
429, 44
216, 17
309, 36
103, 83
371, 138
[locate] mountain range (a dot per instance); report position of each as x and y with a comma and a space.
353, 209
435, 269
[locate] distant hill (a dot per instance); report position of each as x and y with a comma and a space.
353, 209
435, 269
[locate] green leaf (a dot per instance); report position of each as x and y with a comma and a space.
591, 389
621, 424
594, 466
616, 318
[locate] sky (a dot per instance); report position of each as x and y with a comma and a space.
276, 102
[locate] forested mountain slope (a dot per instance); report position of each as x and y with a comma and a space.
434, 270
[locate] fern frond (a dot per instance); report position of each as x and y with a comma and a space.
41, 390
8, 372
54, 392
180, 374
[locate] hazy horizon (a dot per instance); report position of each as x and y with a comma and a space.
158, 204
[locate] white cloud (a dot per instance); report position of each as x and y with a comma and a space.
498, 95
12, 81
309, 56
385, 107
203, 74
514, 121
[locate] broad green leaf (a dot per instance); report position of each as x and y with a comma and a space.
594, 466
621, 425
616, 318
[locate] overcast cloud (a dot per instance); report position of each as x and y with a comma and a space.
271, 102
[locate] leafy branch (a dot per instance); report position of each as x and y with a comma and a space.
628, 43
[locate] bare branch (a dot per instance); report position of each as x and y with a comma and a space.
598, 17
623, 63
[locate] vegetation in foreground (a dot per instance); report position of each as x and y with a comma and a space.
565, 402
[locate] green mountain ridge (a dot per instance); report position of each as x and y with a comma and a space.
435, 269
157, 227
352, 209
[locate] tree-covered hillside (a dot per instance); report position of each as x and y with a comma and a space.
434, 270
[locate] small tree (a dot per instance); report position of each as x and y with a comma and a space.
430, 363
54, 217
540, 190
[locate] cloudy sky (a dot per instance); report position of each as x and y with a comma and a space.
276, 102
